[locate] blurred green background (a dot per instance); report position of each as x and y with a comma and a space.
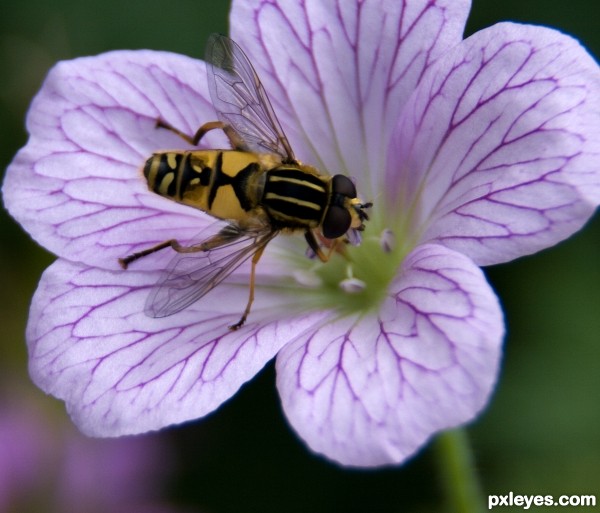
539, 435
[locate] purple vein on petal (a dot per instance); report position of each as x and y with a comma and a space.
369, 389
122, 372
501, 115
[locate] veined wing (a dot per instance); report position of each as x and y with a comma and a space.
240, 99
190, 276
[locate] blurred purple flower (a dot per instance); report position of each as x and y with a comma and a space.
474, 152
45, 463
23, 440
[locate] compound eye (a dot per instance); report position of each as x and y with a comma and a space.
343, 185
337, 222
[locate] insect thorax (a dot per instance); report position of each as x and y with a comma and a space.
295, 197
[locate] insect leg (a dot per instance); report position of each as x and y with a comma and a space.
237, 143
124, 262
227, 234
314, 245
338, 245
255, 260
163, 124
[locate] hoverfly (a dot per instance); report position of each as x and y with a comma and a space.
258, 187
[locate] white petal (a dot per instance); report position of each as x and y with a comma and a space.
339, 73
77, 185
121, 372
499, 148
370, 390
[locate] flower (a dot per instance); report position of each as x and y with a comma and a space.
44, 462
474, 152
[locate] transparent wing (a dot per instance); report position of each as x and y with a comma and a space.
190, 276
240, 99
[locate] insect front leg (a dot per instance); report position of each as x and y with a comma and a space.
309, 235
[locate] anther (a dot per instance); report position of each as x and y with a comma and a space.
387, 240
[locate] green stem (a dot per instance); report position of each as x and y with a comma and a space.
461, 486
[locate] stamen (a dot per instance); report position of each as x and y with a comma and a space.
352, 285
387, 240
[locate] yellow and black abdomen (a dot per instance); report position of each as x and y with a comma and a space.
295, 198
225, 184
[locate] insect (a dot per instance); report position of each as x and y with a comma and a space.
258, 187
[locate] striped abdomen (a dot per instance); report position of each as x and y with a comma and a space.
225, 184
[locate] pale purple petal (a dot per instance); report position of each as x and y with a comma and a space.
371, 389
339, 73
500, 146
77, 186
121, 372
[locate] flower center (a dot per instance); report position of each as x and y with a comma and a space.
356, 280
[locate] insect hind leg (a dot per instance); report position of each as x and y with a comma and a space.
236, 141
124, 262
161, 123
227, 234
